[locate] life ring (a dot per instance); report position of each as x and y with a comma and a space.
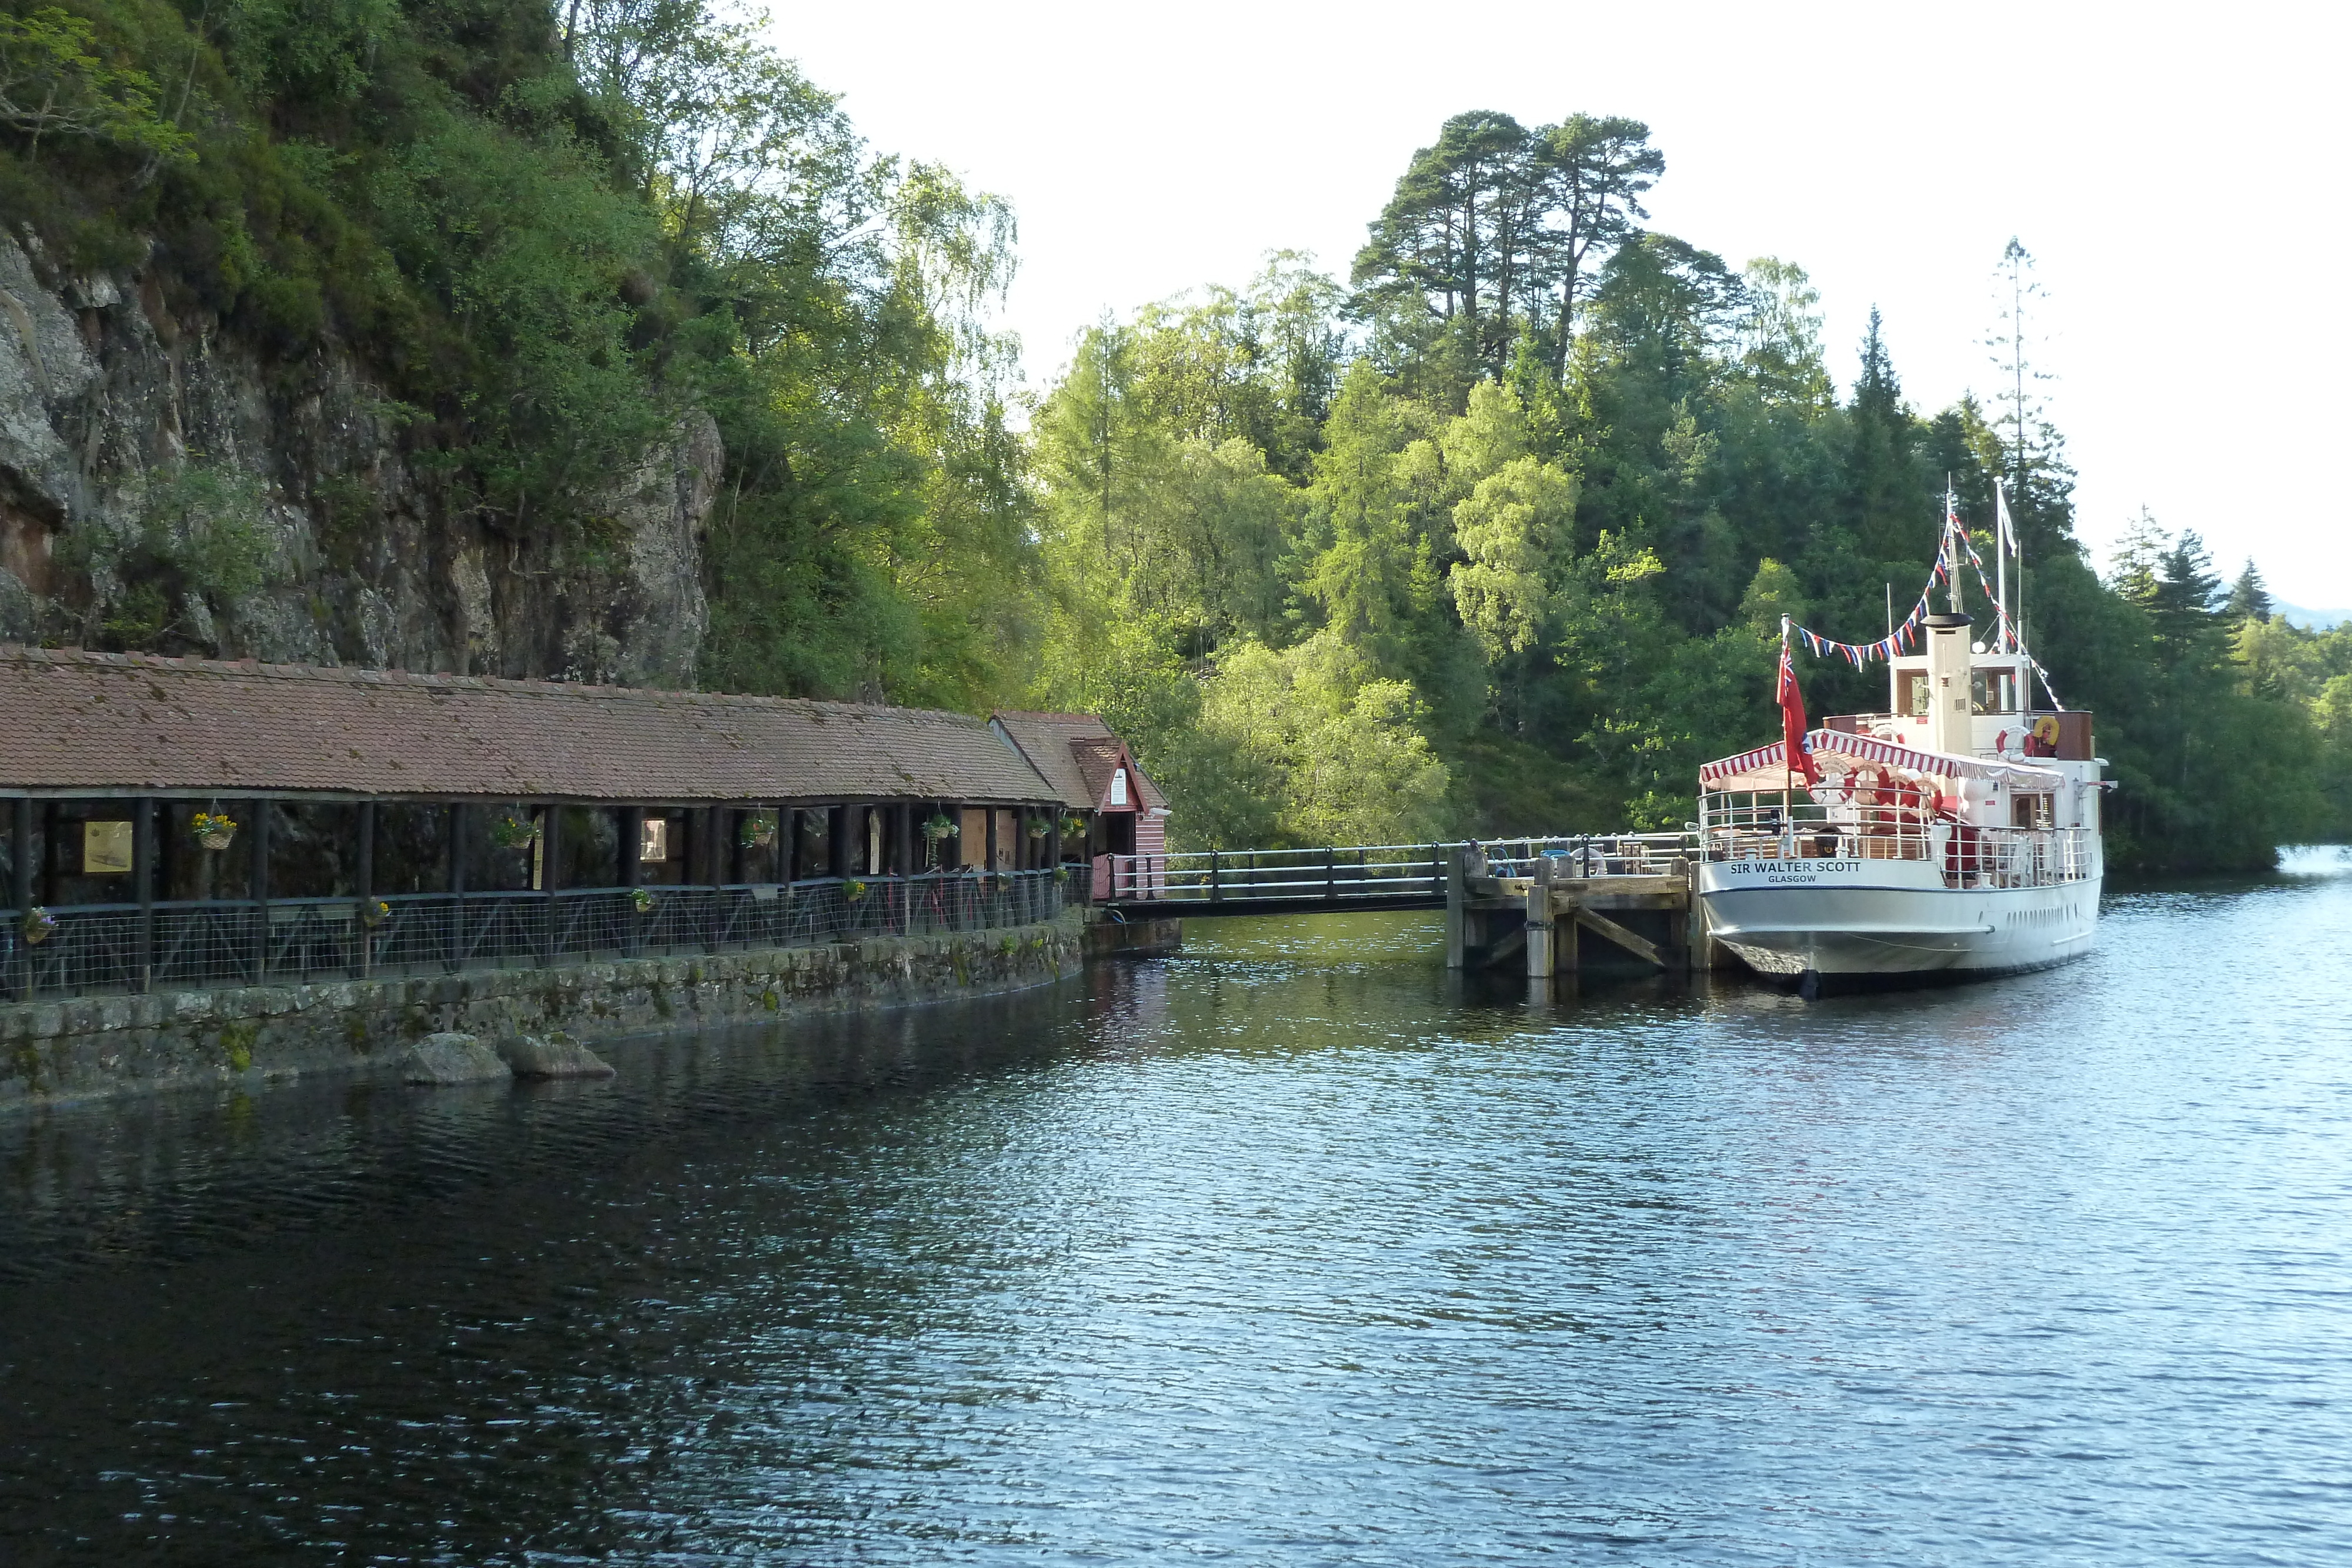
2045, 728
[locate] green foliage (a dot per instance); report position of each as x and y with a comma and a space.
1344, 751
1490, 236
1530, 565
200, 549
55, 81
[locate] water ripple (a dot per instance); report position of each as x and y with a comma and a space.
1283, 1252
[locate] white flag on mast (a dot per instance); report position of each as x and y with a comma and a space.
2000, 512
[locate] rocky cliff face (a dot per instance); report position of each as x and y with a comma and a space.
317, 536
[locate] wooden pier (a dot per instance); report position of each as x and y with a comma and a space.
1550, 907
1563, 918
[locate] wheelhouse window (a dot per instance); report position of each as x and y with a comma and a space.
1911, 694
1992, 691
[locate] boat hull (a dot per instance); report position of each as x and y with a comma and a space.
1890, 919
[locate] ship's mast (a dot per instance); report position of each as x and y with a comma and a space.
1951, 544
2003, 526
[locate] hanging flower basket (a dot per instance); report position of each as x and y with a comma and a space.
641, 901
938, 826
373, 912
1037, 827
513, 833
1074, 827
212, 831
853, 890
38, 924
757, 831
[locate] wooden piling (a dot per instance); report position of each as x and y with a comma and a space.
1542, 955
1458, 901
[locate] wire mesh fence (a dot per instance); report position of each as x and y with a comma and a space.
90, 949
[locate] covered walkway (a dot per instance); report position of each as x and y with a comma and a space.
183, 824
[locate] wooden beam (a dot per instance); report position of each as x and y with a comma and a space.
1601, 925
1502, 952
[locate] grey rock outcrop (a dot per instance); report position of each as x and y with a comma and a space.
451, 1058
556, 1055
109, 391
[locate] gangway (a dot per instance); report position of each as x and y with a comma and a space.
1496, 892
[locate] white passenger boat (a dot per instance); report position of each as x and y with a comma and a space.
1956, 835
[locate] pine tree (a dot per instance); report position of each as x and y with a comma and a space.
2250, 598
1883, 495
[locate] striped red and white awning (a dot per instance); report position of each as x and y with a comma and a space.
1836, 750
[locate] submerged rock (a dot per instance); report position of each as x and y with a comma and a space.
551, 1056
451, 1058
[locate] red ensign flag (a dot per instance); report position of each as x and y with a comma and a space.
1792, 720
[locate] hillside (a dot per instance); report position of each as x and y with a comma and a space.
422, 335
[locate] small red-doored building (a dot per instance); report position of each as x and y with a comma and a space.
1095, 775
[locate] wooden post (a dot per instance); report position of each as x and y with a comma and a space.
704, 825
454, 882
989, 865
1054, 841
1216, 884
1331, 874
20, 863
550, 875
1542, 955
20, 888
143, 882
633, 875
1458, 897
788, 843
363, 887
836, 841
260, 890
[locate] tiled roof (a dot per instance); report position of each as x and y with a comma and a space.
1067, 748
75, 720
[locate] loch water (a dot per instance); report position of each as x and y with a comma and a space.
1281, 1251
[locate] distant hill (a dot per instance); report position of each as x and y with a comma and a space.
2311, 620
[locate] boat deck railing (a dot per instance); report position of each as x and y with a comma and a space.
1969, 855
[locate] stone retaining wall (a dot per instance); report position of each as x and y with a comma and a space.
93, 1047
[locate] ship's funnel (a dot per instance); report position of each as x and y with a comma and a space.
1948, 665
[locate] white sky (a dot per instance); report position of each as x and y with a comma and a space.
2179, 174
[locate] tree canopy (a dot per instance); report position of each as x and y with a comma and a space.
1494, 534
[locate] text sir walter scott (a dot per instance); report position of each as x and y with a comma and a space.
1815, 871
